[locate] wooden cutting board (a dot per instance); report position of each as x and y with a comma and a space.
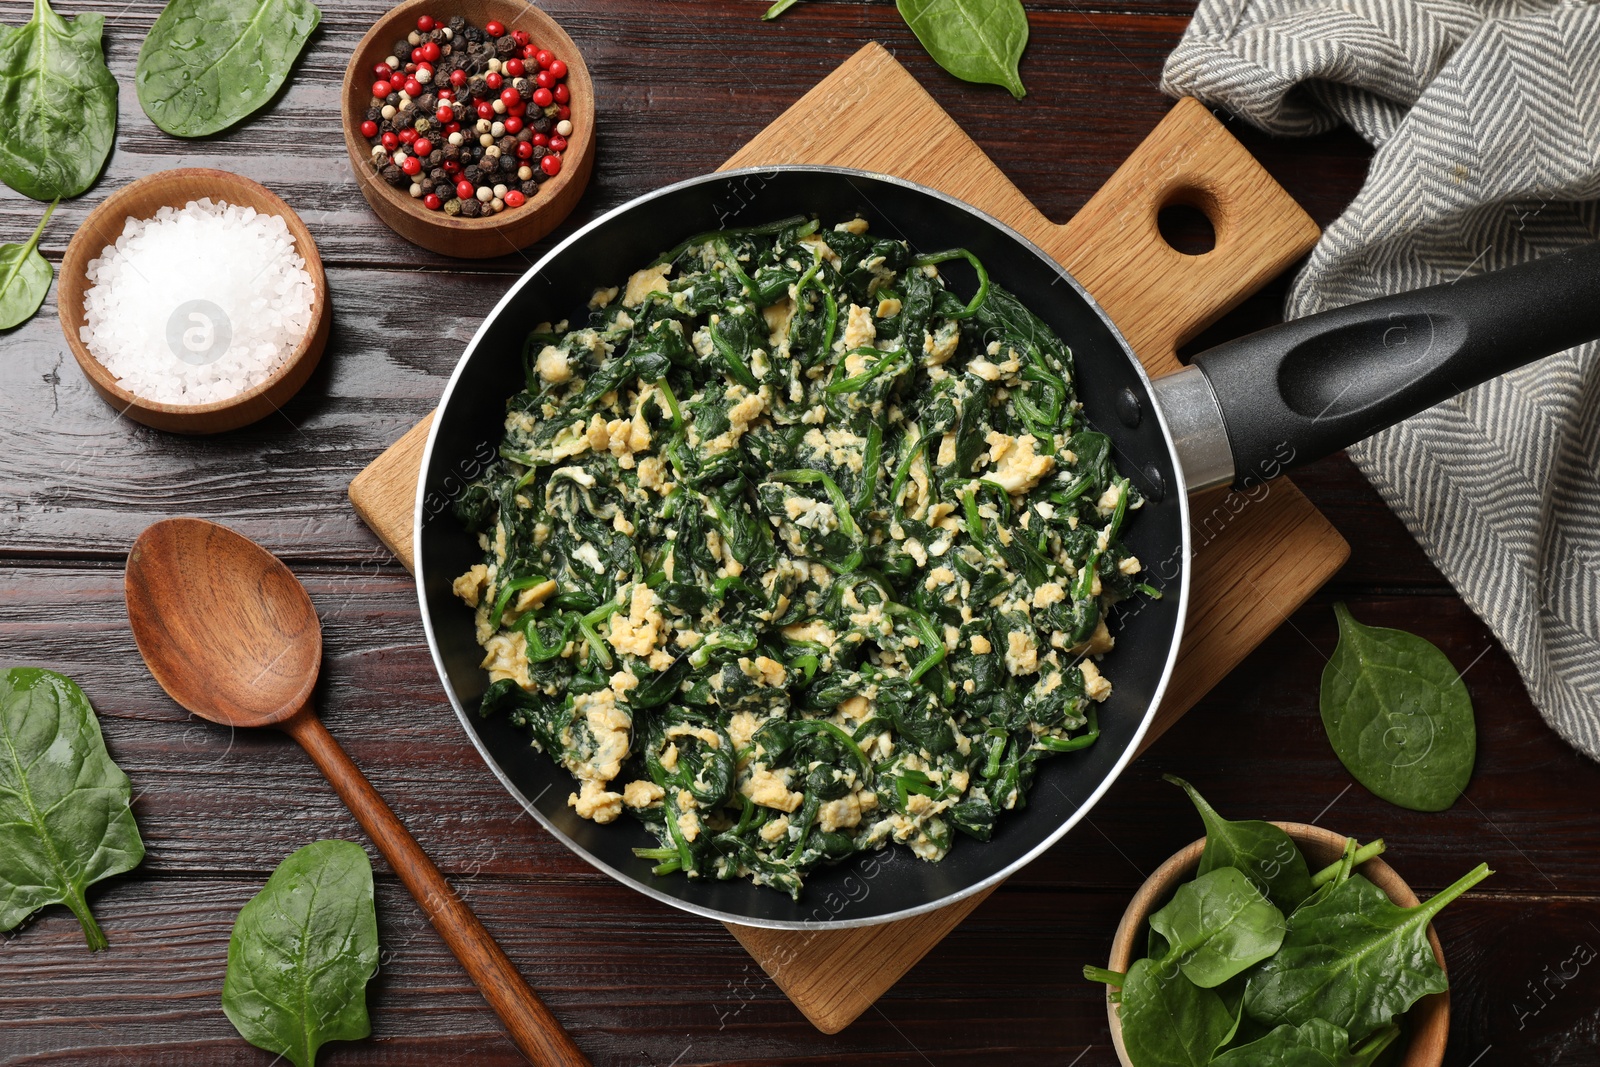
1256, 559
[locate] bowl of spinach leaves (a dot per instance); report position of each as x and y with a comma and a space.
1274, 943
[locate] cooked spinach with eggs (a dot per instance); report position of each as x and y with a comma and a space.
791, 551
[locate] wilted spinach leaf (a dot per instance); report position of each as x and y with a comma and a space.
1353, 958
1217, 926
1318, 1043
976, 40
1262, 851
209, 63
1398, 715
59, 103
65, 822
24, 277
302, 952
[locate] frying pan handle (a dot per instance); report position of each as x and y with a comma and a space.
1296, 392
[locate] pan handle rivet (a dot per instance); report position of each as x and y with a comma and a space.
1156, 485
1128, 409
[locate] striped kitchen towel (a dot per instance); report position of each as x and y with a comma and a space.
1485, 117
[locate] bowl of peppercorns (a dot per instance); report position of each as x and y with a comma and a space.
469, 123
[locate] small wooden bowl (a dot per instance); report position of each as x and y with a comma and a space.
1428, 1021
513, 228
141, 199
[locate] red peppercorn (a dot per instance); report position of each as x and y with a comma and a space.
369, 129
494, 29
514, 68
485, 109
413, 87
563, 112
529, 51
432, 202
408, 135
542, 97
544, 57
452, 127
539, 139
430, 52
558, 68
561, 94
417, 55
465, 190
458, 78
412, 165
493, 80
445, 116
452, 167
383, 72
544, 79
521, 37
425, 23
447, 94
513, 124
390, 141
517, 108
514, 198
525, 148
423, 147
508, 96
381, 89
551, 165
557, 144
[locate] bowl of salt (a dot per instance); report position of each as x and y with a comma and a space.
194, 300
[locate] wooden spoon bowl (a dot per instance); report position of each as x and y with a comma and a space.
141, 200
513, 228
1428, 1021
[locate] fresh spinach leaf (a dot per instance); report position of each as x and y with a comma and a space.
59, 102
24, 277
1217, 926
1318, 1043
209, 63
1168, 1021
1266, 855
1398, 715
302, 952
1353, 958
65, 820
976, 40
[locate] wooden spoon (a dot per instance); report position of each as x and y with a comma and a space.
231, 635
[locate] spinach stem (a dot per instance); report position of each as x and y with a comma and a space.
1362, 855
977, 265
1101, 974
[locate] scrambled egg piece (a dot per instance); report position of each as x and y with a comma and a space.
1017, 468
638, 632
644, 282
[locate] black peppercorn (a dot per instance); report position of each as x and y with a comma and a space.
508, 164
529, 187
436, 175
401, 49
470, 208
428, 103
473, 34
474, 175
506, 47
395, 176
477, 88
457, 24
508, 145
452, 152
543, 124
540, 151
444, 190
374, 114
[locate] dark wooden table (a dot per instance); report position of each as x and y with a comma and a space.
682, 83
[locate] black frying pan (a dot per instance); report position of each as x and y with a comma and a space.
1244, 412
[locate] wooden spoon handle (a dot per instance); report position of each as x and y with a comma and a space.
530, 1024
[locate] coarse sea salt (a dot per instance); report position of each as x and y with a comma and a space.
197, 305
